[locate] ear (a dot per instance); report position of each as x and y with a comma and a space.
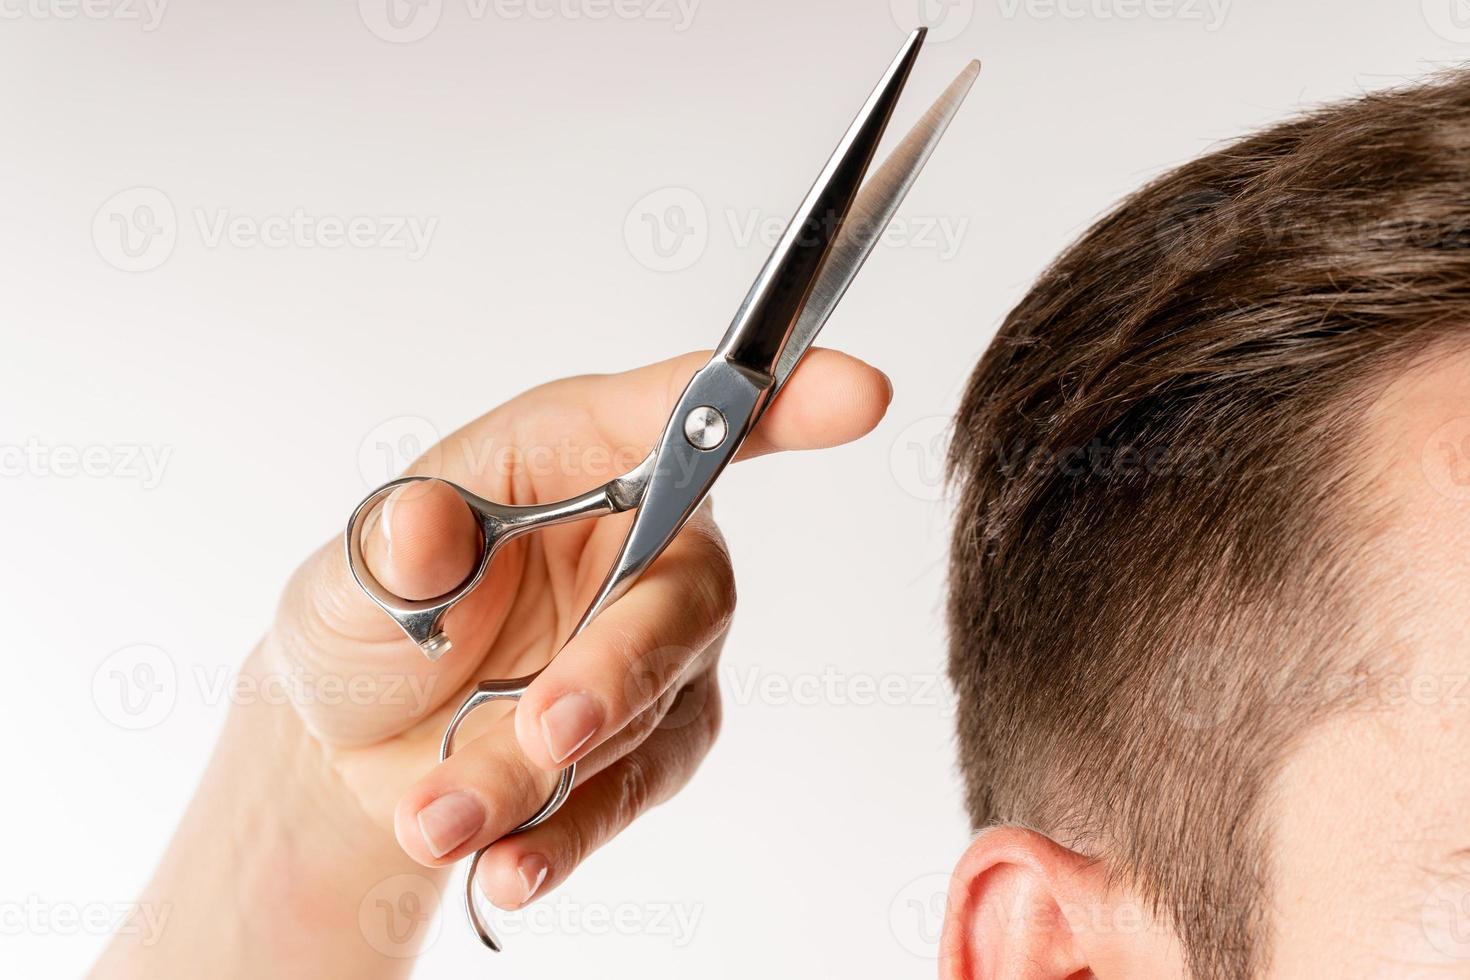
1023, 907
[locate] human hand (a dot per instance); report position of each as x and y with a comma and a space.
633, 700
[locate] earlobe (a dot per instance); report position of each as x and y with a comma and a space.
1007, 914
1023, 907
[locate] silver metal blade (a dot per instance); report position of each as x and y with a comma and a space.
769, 313
868, 218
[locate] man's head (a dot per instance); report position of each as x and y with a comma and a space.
1210, 598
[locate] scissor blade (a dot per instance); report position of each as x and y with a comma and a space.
770, 310
874, 208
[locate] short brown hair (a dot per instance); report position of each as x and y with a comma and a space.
1159, 521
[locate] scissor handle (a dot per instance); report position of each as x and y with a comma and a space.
423, 619
485, 693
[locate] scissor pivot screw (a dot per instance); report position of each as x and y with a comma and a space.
705, 427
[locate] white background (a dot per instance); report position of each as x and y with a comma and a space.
815, 839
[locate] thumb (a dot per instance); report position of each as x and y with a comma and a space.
422, 542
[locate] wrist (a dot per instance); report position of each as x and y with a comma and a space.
276, 869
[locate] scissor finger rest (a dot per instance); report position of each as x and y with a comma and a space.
485, 693
423, 619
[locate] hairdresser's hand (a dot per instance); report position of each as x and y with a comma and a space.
633, 700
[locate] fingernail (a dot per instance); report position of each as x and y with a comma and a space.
570, 721
450, 821
386, 520
532, 869
888, 386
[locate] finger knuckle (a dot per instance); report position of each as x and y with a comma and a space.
711, 589
688, 709
635, 786
644, 724
713, 715
579, 842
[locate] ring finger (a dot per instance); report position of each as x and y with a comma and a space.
488, 787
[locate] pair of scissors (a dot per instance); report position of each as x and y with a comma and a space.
818, 256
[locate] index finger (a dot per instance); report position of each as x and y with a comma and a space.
832, 398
